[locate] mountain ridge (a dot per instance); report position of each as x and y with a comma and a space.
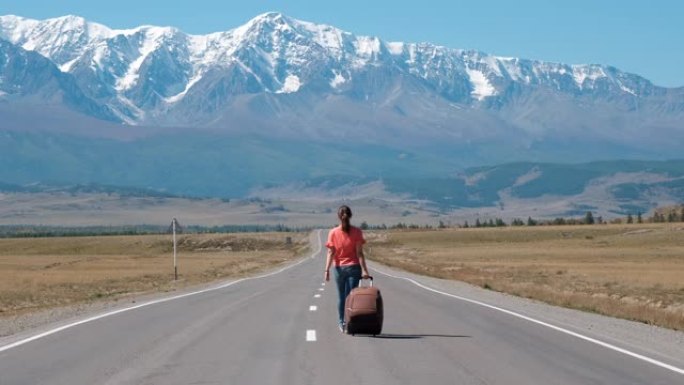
161, 76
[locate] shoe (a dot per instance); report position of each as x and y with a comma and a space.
341, 327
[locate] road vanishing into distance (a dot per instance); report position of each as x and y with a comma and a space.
280, 328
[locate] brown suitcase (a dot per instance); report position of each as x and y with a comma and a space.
363, 310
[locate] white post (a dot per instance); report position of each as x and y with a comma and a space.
175, 267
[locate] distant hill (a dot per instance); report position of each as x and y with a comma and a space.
91, 188
612, 188
204, 165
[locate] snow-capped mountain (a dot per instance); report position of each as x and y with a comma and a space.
298, 78
31, 78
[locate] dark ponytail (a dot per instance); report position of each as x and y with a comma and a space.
347, 210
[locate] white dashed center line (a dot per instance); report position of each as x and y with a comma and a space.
311, 335
313, 308
321, 289
317, 296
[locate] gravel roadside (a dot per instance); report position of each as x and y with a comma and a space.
18, 327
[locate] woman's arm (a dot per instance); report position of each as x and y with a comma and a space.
362, 259
328, 263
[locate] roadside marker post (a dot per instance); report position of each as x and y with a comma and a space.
174, 224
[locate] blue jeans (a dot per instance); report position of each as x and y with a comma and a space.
346, 278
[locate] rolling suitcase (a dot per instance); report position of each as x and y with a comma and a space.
363, 310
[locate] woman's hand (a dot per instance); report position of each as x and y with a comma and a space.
326, 275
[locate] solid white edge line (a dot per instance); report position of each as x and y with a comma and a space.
311, 335
569, 332
154, 302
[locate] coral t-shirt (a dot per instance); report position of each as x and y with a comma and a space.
345, 245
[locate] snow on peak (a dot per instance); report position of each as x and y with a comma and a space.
338, 80
583, 72
180, 95
326, 36
272, 24
395, 47
627, 90
483, 61
15, 28
7, 19
68, 22
268, 20
27, 29
14, 21
512, 66
481, 86
292, 84
367, 49
61, 39
269, 17
153, 38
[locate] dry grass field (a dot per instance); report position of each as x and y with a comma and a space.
39, 273
629, 271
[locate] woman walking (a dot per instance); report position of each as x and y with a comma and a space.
345, 250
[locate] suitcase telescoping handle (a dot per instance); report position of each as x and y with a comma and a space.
369, 278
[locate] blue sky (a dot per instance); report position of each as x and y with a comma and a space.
646, 38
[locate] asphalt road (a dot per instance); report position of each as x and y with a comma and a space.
273, 329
